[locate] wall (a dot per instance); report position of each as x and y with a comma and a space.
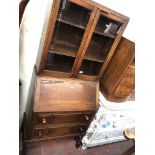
32, 32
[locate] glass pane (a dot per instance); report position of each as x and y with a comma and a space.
69, 29
99, 46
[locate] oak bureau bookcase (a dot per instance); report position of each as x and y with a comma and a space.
80, 41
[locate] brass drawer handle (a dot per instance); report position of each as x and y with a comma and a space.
87, 118
81, 129
120, 92
43, 120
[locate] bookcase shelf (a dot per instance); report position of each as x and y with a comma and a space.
84, 27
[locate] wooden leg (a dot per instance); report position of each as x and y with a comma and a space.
78, 140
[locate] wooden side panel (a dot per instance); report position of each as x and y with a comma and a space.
56, 95
123, 56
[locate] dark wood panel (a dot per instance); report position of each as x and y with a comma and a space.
54, 95
123, 56
39, 133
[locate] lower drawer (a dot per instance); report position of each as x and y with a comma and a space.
123, 91
39, 133
61, 118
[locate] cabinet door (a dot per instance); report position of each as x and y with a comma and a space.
69, 29
100, 45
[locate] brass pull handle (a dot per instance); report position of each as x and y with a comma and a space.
81, 129
44, 120
126, 82
39, 133
87, 118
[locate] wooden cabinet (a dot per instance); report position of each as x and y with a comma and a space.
118, 82
80, 41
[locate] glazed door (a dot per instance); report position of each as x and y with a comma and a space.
69, 29
99, 46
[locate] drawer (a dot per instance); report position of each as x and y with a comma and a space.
123, 91
64, 131
39, 133
54, 132
130, 71
128, 81
62, 118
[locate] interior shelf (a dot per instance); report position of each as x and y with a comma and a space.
98, 48
67, 39
90, 67
59, 63
84, 27
67, 52
60, 49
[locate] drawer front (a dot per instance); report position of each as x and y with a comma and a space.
130, 71
58, 118
123, 91
55, 132
39, 133
128, 81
